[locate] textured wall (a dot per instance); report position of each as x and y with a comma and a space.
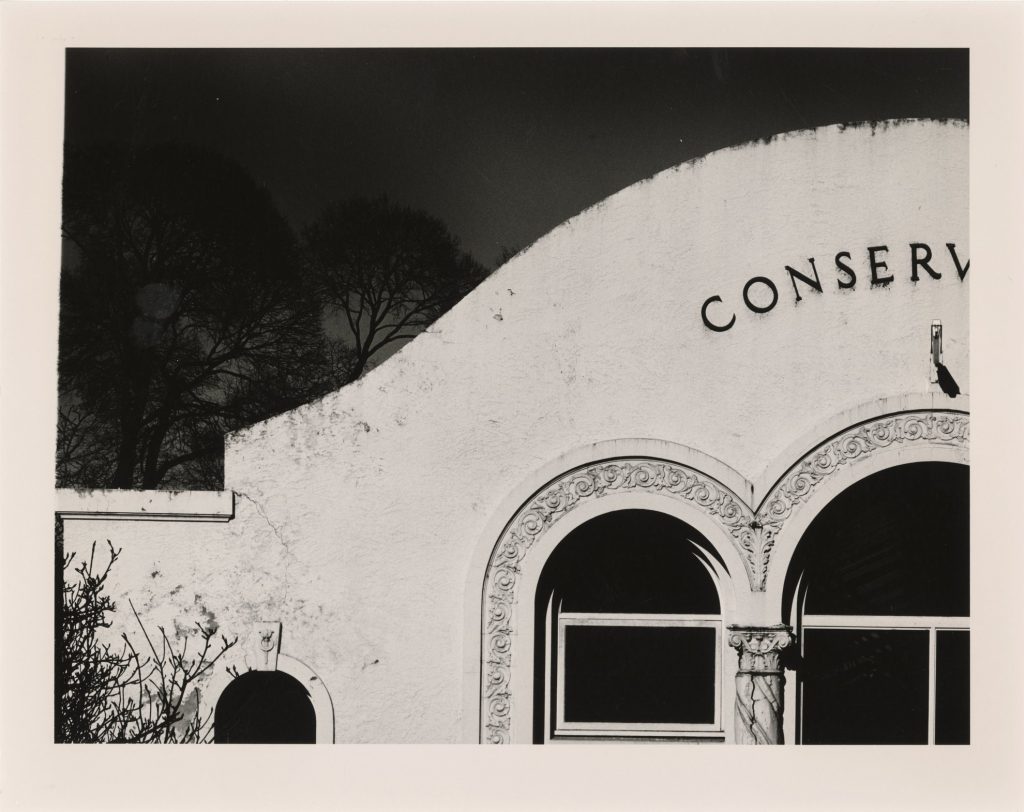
358, 516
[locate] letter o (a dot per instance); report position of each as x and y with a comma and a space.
764, 280
708, 323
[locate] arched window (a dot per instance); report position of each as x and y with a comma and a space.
629, 633
880, 590
264, 707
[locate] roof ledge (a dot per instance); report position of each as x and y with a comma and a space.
132, 505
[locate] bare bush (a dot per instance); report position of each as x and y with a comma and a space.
119, 695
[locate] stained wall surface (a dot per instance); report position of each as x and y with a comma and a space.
360, 520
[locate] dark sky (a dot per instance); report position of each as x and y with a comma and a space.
501, 144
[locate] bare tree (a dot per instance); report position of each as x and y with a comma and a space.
181, 301
387, 271
85, 446
188, 310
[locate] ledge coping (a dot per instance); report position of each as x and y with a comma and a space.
139, 505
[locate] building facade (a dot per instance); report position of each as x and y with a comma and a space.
691, 468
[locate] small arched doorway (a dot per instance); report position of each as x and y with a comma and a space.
264, 707
628, 633
880, 595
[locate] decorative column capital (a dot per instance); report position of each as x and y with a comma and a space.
759, 682
760, 647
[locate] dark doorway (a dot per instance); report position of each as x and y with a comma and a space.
265, 707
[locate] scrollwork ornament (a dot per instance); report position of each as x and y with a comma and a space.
941, 428
554, 502
760, 647
752, 534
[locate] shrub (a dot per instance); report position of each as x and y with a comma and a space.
109, 694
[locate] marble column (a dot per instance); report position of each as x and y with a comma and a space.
759, 682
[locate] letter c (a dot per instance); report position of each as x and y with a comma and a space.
708, 323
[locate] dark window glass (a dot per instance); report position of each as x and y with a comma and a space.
639, 674
264, 707
865, 686
637, 561
895, 543
953, 687
627, 562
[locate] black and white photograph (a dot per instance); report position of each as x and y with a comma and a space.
594, 396
322, 330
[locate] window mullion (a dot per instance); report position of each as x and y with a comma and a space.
560, 676
549, 700
931, 684
719, 654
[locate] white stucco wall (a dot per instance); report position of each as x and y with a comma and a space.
361, 518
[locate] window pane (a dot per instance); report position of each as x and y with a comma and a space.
895, 543
639, 674
953, 687
865, 687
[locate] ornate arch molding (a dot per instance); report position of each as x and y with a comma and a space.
552, 503
943, 428
752, 533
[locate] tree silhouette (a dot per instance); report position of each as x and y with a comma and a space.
183, 316
386, 271
188, 309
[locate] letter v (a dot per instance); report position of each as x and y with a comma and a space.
960, 269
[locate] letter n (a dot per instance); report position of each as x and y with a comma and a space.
794, 274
